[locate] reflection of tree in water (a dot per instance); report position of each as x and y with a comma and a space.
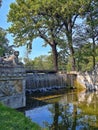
63, 117
56, 114
89, 109
76, 115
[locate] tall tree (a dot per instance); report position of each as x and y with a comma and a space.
70, 11
31, 19
92, 27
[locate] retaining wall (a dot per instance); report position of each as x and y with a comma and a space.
12, 86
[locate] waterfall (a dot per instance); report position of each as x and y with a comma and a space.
44, 81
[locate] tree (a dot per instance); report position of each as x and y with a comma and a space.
92, 27
70, 12
31, 19
36, 21
70, 29
0, 2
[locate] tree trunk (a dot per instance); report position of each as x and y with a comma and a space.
55, 57
56, 117
69, 37
94, 60
69, 25
73, 59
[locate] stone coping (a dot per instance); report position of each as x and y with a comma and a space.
10, 71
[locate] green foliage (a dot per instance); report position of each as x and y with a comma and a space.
13, 120
92, 27
1, 50
28, 62
28, 22
42, 62
54, 24
3, 41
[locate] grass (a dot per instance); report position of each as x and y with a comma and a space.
10, 119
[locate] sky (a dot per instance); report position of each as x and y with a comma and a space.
37, 48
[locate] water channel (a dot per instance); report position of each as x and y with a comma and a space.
69, 110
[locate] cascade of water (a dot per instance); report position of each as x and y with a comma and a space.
45, 82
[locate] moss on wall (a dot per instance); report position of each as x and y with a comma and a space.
78, 85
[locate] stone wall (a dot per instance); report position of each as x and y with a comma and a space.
75, 80
12, 86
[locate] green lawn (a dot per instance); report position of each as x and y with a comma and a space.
10, 119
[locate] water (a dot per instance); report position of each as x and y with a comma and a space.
68, 111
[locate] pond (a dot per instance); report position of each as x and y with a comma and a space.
69, 110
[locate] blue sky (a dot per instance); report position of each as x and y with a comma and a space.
37, 48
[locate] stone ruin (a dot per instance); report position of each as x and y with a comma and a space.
12, 81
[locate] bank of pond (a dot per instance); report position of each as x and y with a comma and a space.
10, 119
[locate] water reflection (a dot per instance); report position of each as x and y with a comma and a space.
72, 111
